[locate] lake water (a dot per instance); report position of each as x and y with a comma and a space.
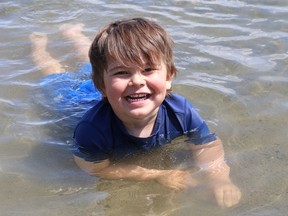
233, 61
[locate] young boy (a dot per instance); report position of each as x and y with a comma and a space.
133, 67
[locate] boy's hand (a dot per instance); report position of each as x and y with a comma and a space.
177, 179
226, 193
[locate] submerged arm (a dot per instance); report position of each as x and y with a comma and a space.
210, 159
175, 179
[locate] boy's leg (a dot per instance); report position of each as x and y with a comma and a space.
81, 42
41, 57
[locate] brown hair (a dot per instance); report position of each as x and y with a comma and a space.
129, 41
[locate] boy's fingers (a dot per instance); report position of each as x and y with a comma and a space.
219, 198
235, 196
227, 196
179, 186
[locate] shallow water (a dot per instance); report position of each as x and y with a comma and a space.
232, 57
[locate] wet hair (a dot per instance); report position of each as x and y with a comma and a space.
130, 41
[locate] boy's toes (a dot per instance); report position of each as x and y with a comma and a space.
36, 36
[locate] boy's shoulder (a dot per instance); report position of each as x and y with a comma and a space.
100, 112
175, 96
177, 103
184, 111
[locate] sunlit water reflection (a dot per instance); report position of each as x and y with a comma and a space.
232, 57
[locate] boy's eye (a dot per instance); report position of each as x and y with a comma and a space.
120, 73
148, 69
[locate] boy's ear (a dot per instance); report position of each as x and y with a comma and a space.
103, 91
170, 77
169, 81
168, 85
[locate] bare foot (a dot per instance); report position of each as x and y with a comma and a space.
39, 40
72, 31
42, 59
80, 41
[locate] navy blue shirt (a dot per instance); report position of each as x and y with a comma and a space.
101, 135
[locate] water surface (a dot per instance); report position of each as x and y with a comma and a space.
232, 57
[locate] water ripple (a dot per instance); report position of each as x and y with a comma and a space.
210, 81
274, 79
51, 12
7, 102
232, 52
243, 56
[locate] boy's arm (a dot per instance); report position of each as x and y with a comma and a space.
210, 158
175, 179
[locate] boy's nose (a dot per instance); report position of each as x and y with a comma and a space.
137, 80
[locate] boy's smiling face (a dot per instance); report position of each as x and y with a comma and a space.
136, 93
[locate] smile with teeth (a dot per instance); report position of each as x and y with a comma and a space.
137, 97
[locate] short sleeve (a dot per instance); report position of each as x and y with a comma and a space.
86, 143
194, 127
201, 135
197, 129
